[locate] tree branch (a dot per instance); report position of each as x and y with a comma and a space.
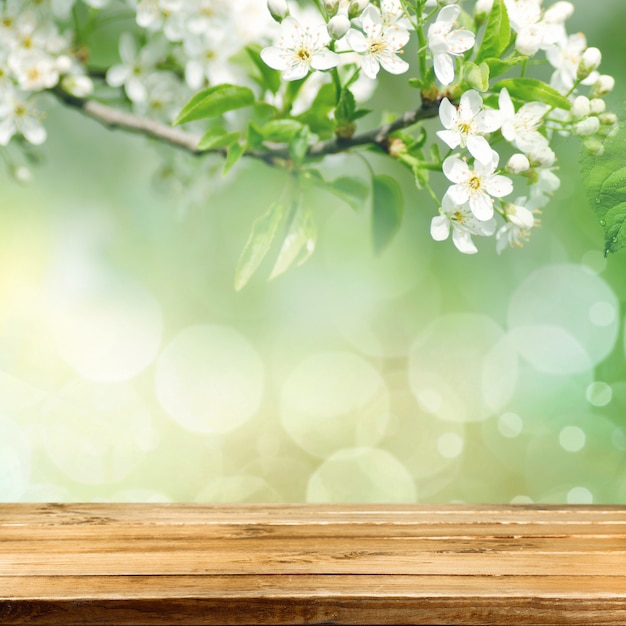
117, 119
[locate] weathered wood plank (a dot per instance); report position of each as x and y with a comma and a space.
303, 564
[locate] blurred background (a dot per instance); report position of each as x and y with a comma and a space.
130, 369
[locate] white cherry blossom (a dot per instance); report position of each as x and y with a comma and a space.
565, 57
477, 187
299, 49
466, 124
521, 128
19, 117
462, 223
516, 231
379, 45
446, 43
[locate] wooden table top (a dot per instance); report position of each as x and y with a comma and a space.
147, 564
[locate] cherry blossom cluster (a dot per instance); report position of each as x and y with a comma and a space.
478, 201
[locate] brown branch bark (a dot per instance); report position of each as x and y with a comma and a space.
114, 118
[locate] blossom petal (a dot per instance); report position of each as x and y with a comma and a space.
449, 13
479, 148
393, 63
7, 130
275, 57
488, 121
444, 68
356, 40
460, 41
456, 170
448, 114
481, 205
296, 71
33, 131
440, 228
470, 105
463, 241
370, 66
499, 186
459, 194
450, 138
506, 104
117, 75
324, 59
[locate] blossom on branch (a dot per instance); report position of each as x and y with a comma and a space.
379, 45
299, 49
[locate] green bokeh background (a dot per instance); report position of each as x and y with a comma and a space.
131, 370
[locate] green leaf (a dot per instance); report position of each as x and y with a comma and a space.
500, 66
268, 77
476, 76
261, 236
351, 190
217, 138
497, 34
281, 131
604, 177
215, 101
234, 153
387, 209
533, 90
299, 145
300, 241
346, 107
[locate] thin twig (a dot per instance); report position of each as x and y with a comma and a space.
117, 119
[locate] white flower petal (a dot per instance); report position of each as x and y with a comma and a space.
481, 205
479, 148
356, 40
456, 170
440, 228
470, 105
460, 41
7, 130
506, 104
459, 194
449, 13
444, 68
450, 138
499, 186
463, 241
117, 75
324, 59
275, 57
393, 63
448, 114
33, 131
370, 66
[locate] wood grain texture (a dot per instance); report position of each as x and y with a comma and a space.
142, 565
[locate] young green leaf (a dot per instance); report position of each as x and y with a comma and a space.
261, 236
281, 131
604, 177
217, 138
497, 34
500, 66
268, 77
351, 190
387, 209
215, 101
233, 154
300, 241
533, 90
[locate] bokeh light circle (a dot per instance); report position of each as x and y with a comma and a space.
462, 368
98, 433
563, 318
334, 400
108, 329
361, 475
210, 379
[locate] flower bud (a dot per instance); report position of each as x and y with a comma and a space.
77, 85
63, 64
587, 127
595, 146
357, 7
483, 7
517, 164
338, 26
529, 40
278, 9
542, 157
597, 106
608, 119
581, 107
331, 7
605, 84
590, 61
519, 215
21, 174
